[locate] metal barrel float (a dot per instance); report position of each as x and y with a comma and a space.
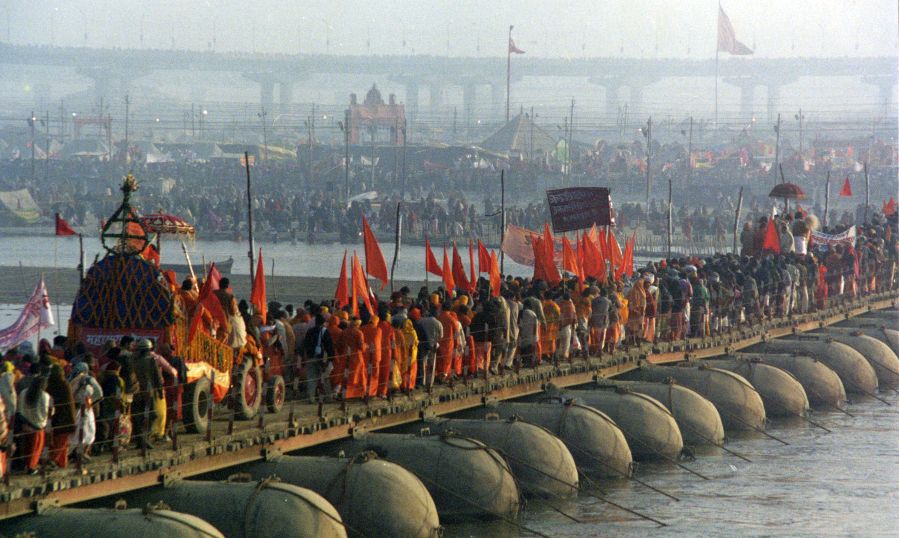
596, 443
822, 385
882, 358
698, 420
737, 401
781, 392
373, 496
249, 509
465, 477
147, 522
856, 373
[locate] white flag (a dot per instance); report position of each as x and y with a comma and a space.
46, 311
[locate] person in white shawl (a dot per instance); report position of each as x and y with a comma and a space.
86, 392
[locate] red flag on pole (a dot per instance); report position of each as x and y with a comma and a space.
594, 263
569, 258
448, 283
374, 259
889, 207
257, 295
627, 261
613, 252
62, 227
483, 258
727, 38
539, 269
459, 276
206, 299
847, 188
342, 295
360, 287
473, 275
772, 239
513, 49
549, 249
431, 264
495, 278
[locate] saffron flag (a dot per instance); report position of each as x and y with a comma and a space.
495, 278
627, 262
207, 299
257, 295
448, 283
473, 275
431, 264
889, 207
151, 254
552, 272
847, 188
537, 247
361, 291
342, 295
483, 258
772, 239
374, 259
62, 227
613, 252
594, 263
459, 276
727, 38
513, 49
569, 258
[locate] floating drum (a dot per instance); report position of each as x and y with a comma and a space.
596, 443
878, 353
869, 327
821, 384
465, 477
856, 373
149, 522
243, 509
649, 427
698, 420
739, 404
376, 497
539, 460
781, 393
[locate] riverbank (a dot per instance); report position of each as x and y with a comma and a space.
17, 283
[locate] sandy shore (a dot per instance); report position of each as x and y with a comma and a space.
17, 283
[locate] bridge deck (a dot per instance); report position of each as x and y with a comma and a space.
300, 426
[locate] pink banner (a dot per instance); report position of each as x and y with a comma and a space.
36, 315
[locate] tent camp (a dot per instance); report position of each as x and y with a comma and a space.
18, 207
520, 136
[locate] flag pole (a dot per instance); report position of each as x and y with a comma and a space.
737, 217
502, 219
508, 70
246, 156
717, 50
826, 198
396, 240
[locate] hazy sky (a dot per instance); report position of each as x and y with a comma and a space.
682, 28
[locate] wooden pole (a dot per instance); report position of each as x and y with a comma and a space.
508, 70
502, 219
648, 161
397, 238
826, 198
80, 258
737, 218
867, 194
690, 153
670, 223
346, 158
246, 157
776, 148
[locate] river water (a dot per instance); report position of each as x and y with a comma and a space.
301, 259
842, 483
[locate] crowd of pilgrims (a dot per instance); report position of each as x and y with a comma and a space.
61, 400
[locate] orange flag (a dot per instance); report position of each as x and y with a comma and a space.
209, 301
374, 259
613, 251
772, 239
552, 272
539, 264
627, 261
459, 276
483, 258
431, 265
495, 278
594, 264
342, 295
579, 252
257, 295
473, 275
569, 258
448, 283
360, 287
847, 188
889, 207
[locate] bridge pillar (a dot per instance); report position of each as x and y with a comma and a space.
498, 99
747, 95
435, 91
773, 100
611, 85
266, 93
469, 97
411, 99
285, 95
636, 99
886, 93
